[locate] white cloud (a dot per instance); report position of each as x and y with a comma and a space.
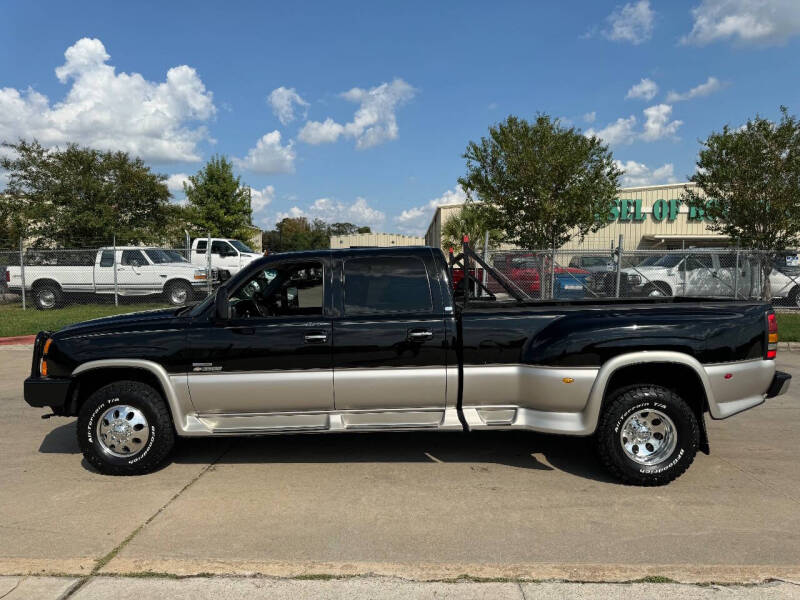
269, 157
283, 101
325, 132
639, 174
746, 21
711, 85
175, 183
632, 23
590, 117
620, 132
333, 211
113, 111
260, 199
415, 221
374, 122
657, 124
646, 89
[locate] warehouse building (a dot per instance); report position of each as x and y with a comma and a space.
372, 240
649, 217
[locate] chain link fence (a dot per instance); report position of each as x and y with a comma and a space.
52, 285
618, 273
47, 286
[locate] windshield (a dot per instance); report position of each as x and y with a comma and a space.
650, 260
668, 261
158, 256
240, 246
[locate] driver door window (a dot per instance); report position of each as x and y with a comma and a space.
284, 290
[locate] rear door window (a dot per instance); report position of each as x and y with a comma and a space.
380, 285
107, 258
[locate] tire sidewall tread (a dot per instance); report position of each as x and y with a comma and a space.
146, 399
641, 397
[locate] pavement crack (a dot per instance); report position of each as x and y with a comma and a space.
104, 560
522, 590
16, 585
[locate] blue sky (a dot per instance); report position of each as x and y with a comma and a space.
376, 102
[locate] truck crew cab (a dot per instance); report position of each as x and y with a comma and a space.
373, 339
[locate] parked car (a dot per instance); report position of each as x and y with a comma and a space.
53, 275
226, 254
593, 263
697, 273
529, 270
374, 340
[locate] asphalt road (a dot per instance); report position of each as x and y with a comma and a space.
421, 506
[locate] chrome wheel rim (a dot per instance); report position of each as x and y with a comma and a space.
648, 437
47, 299
656, 292
123, 430
178, 295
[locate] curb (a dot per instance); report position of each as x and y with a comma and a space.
789, 346
17, 340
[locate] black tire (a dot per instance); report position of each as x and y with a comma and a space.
794, 297
160, 432
642, 402
178, 293
662, 288
47, 296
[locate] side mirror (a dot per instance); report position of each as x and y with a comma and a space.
222, 306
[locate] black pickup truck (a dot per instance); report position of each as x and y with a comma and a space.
373, 339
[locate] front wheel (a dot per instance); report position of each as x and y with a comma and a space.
124, 428
647, 435
179, 293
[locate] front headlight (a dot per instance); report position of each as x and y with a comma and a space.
200, 275
634, 280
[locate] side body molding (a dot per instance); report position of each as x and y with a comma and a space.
176, 390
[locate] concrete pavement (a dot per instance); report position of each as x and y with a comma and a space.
416, 506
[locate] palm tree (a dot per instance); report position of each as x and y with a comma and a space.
470, 221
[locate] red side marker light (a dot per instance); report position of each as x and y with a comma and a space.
728, 375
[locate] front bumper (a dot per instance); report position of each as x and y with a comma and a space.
780, 384
47, 391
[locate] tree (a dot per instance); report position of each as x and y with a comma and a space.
748, 182
346, 229
217, 202
82, 196
299, 233
540, 184
471, 222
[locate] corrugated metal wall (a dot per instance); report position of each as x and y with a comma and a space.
381, 240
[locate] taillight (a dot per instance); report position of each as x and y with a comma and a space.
772, 336
8, 277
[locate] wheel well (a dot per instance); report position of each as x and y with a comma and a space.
42, 282
88, 382
681, 379
175, 280
663, 285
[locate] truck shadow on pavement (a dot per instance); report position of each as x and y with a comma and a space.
519, 449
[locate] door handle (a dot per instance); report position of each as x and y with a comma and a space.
316, 338
243, 330
419, 335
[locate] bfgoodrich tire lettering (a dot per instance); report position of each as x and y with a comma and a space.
146, 401
643, 402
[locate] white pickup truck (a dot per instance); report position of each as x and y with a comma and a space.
226, 254
711, 272
52, 274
